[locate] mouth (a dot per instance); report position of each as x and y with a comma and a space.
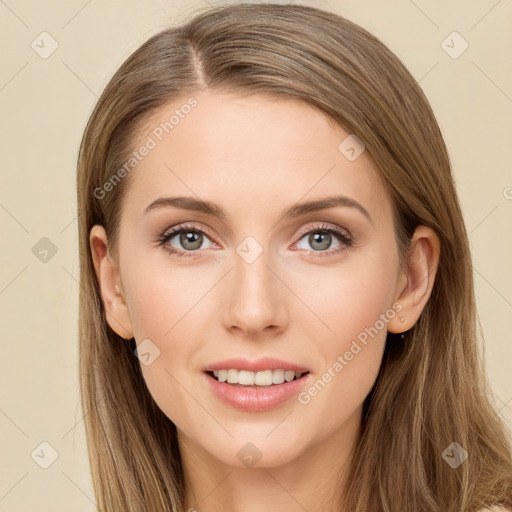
261, 379
256, 385
258, 391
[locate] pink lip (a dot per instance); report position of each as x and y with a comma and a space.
256, 398
264, 363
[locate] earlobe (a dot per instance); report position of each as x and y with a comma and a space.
107, 273
421, 267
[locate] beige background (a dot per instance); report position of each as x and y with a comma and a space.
45, 103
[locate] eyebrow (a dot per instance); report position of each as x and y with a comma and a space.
193, 204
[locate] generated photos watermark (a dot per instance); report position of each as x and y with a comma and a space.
344, 359
151, 142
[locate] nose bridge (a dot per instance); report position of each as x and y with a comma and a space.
255, 300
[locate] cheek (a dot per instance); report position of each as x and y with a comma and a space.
351, 297
355, 303
161, 297
167, 307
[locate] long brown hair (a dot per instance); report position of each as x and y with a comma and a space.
431, 391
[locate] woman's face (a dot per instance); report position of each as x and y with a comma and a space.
255, 281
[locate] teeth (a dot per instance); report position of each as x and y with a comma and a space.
278, 376
232, 376
263, 378
246, 378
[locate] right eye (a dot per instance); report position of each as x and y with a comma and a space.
188, 240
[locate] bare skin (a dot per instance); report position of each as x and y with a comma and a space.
301, 300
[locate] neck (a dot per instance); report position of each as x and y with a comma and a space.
312, 480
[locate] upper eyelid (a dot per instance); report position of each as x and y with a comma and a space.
184, 227
328, 225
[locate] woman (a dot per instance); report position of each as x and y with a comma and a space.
277, 308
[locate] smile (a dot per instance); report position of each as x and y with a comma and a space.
256, 397
261, 378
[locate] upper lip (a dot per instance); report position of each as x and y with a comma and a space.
258, 365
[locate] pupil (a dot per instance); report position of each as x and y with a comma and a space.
192, 237
320, 237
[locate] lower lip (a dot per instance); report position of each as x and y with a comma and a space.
256, 399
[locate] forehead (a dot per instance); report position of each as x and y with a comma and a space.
252, 154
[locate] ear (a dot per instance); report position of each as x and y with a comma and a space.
416, 281
109, 280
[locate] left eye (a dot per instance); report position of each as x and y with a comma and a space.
320, 240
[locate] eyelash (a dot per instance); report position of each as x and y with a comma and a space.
168, 235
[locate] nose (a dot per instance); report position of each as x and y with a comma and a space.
255, 298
